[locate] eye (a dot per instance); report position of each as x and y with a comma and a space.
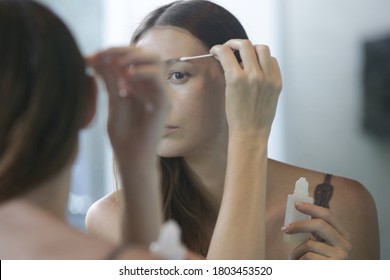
178, 77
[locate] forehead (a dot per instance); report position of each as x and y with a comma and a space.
171, 42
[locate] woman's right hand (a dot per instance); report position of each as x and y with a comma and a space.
252, 86
335, 240
137, 99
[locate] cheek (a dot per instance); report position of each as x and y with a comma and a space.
199, 110
199, 105
195, 98
206, 106
215, 97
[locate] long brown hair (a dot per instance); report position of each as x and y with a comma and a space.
212, 25
43, 89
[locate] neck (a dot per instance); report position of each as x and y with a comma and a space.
52, 195
208, 172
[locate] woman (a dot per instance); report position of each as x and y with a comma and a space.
217, 181
46, 99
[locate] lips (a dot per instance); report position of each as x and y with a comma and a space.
170, 126
169, 129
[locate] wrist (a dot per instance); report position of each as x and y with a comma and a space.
255, 136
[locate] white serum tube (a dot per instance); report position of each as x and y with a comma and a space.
301, 194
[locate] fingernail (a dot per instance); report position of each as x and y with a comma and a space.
122, 87
90, 71
122, 93
298, 204
285, 228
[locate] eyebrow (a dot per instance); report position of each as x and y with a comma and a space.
175, 60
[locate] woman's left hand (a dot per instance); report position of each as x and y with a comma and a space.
252, 86
324, 224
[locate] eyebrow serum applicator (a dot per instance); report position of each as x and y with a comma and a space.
185, 58
301, 194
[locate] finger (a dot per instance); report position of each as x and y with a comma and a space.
107, 54
315, 249
112, 82
228, 61
317, 226
115, 66
264, 58
145, 70
145, 79
137, 58
105, 59
276, 73
147, 85
147, 93
102, 65
311, 256
318, 212
248, 54
144, 67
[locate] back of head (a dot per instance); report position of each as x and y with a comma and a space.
207, 21
42, 95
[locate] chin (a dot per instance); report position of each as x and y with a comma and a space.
168, 149
168, 154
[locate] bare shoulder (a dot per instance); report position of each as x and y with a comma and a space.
34, 233
354, 206
351, 203
103, 218
347, 192
351, 196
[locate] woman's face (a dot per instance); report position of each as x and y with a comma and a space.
196, 123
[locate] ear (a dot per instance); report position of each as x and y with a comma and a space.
90, 108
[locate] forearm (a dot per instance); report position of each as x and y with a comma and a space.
142, 211
240, 229
137, 107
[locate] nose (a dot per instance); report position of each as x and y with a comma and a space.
169, 92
